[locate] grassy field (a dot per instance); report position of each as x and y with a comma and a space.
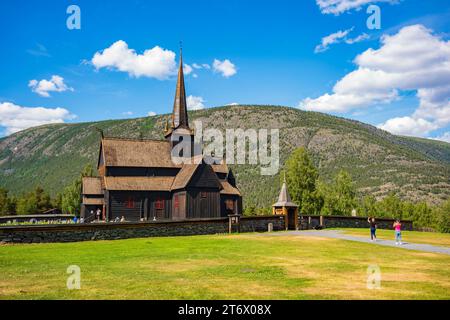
437, 239
246, 266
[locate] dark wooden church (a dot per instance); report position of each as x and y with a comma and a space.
139, 181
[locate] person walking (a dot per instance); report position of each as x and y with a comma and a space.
373, 229
398, 232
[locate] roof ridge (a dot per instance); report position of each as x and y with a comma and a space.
134, 139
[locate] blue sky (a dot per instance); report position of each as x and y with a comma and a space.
269, 44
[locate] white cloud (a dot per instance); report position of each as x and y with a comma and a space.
408, 126
16, 118
195, 103
338, 37
43, 87
196, 66
413, 59
233, 104
445, 137
151, 114
337, 7
361, 37
153, 63
332, 39
225, 67
128, 113
206, 66
187, 69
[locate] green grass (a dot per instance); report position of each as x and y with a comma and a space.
247, 266
437, 239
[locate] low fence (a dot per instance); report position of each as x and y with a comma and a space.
36, 218
313, 222
113, 231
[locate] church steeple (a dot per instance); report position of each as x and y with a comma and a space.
180, 115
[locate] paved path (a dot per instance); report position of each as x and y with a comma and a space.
338, 234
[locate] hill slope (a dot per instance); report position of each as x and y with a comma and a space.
418, 169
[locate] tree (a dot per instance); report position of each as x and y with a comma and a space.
34, 202
302, 176
443, 217
7, 205
340, 197
368, 207
71, 196
391, 207
346, 194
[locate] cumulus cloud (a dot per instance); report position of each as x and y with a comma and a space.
128, 113
195, 103
43, 87
338, 7
151, 114
16, 118
156, 63
414, 59
225, 67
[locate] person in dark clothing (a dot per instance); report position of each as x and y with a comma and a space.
373, 229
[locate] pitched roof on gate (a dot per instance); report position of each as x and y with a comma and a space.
284, 199
139, 183
119, 152
92, 186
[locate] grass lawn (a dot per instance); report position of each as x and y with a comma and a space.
437, 239
246, 266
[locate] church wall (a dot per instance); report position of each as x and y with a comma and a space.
137, 205
203, 203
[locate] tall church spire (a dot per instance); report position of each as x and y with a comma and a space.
180, 115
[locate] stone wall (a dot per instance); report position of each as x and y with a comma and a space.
312, 222
113, 231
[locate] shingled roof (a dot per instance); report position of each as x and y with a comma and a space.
92, 186
139, 183
184, 176
137, 153
284, 199
229, 189
93, 201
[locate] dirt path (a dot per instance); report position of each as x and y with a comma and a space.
338, 234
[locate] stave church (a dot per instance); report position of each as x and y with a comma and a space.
139, 181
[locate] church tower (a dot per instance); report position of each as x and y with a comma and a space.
178, 130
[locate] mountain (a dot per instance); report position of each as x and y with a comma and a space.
379, 162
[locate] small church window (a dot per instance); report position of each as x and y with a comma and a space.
203, 194
129, 204
159, 204
229, 204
